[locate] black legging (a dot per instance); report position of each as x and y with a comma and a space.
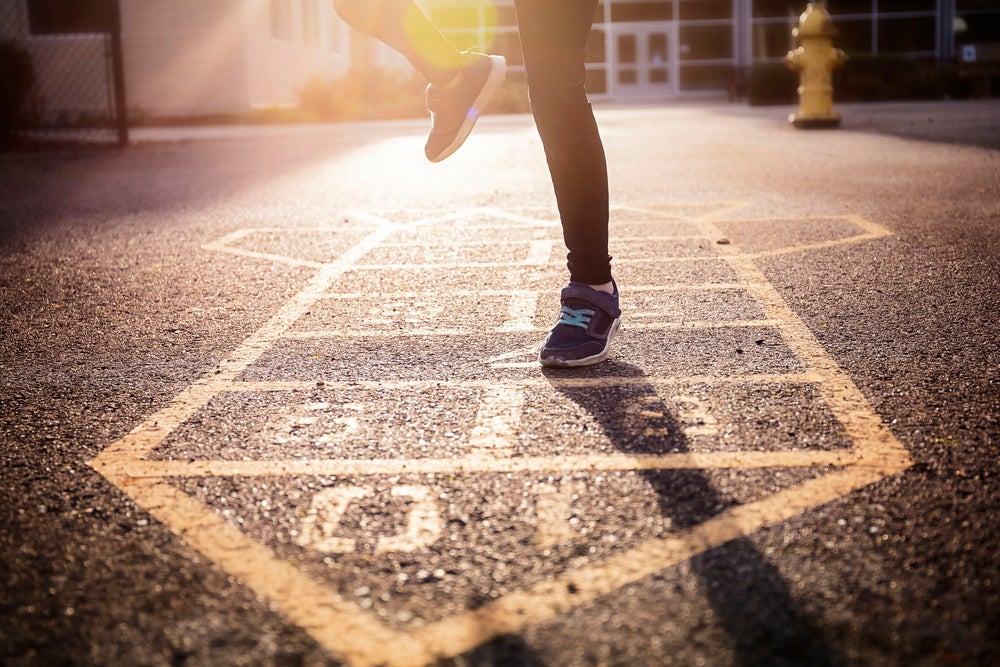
554, 41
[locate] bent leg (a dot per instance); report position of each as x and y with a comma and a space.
401, 25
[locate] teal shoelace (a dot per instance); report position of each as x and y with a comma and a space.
576, 318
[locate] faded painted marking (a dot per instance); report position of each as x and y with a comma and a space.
358, 637
541, 602
874, 444
497, 421
459, 293
479, 463
551, 218
518, 320
513, 265
319, 528
337, 624
225, 245
521, 312
423, 522
526, 381
539, 253
697, 414
555, 523
148, 435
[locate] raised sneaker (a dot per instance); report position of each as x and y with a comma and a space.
454, 111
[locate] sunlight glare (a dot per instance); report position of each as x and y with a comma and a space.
470, 27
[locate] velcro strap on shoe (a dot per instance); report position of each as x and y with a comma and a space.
580, 292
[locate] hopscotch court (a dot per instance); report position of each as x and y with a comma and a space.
387, 438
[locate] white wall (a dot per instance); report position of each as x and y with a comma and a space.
202, 57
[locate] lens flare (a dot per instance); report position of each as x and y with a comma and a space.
472, 26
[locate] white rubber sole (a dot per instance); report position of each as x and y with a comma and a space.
494, 81
554, 362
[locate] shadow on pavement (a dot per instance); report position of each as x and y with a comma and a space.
955, 122
504, 651
747, 594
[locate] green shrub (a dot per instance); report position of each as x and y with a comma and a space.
363, 94
772, 83
867, 78
17, 79
374, 94
863, 78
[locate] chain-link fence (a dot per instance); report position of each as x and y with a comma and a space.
61, 70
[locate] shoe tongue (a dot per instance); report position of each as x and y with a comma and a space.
579, 304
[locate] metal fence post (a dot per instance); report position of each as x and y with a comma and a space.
118, 73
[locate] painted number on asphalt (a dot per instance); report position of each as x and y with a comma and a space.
321, 525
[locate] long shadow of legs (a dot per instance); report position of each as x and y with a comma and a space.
747, 594
504, 651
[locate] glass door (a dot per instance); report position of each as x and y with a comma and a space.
644, 63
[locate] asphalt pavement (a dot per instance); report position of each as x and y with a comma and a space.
269, 396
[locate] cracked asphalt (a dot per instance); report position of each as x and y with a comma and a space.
268, 397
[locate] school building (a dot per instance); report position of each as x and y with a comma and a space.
661, 49
202, 57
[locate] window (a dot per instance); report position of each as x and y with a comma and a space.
281, 20
907, 35
777, 8
706, 42
693, 10
841, 7
979, 21
311, 24
67, 17
642, 11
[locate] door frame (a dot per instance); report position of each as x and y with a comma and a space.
643, 89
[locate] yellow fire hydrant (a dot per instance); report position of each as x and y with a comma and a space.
815, 60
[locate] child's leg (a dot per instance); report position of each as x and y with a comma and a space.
461, 84
401, 25
554, 40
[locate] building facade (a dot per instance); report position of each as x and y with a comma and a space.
186, 58
657, 49
182, 58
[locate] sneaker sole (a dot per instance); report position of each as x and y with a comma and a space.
494, 81
556, 362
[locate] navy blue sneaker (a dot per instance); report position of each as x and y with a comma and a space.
454, 112
589, 319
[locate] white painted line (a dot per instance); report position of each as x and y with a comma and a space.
225, 245
521, 312
539, 253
